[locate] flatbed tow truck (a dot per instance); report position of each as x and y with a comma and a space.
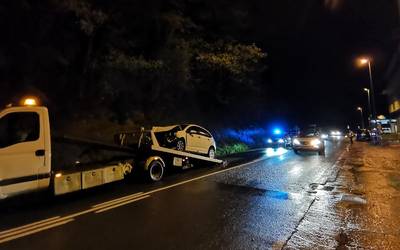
32, 158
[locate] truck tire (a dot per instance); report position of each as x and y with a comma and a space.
180, 145
155, 171
321, 152
211, 153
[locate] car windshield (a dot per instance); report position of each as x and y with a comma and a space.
308, 133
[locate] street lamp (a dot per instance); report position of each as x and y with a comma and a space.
369, 102
367, 61
362, 117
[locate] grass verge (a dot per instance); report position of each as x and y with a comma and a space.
232, 149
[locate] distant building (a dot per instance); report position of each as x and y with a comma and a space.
393, 79
393, 87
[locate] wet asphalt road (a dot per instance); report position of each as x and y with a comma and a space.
255, 202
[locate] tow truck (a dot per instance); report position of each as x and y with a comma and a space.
32, 158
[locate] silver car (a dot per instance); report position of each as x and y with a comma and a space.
309, 140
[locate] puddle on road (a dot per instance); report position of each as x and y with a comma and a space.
327, 188
353, 199
394, 181
248, 190
277, 194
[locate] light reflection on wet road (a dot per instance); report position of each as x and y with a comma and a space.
255, 206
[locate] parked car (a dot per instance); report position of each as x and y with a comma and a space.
276, 141
335, 135
309, 140
187, 137
363, 135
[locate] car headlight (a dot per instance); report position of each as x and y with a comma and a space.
324, 136
315, 142
281, 141
269, 140
296, 142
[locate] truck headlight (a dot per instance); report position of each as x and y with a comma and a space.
296, 142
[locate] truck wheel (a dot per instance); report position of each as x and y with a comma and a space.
321, 152
211, 153
156, 171
180, 145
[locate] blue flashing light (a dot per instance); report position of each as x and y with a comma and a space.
277, 131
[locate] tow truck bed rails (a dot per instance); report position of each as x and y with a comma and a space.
185, 154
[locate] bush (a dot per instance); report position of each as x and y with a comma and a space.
232, 149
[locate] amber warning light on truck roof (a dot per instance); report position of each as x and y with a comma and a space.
30, 101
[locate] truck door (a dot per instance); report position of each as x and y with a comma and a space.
22, 151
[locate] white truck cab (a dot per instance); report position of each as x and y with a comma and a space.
25, 150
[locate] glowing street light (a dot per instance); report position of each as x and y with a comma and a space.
364, 61
362, 116
367, 61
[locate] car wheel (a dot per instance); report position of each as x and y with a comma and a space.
211, 153
155, 171
321, 152
180, 145
295, 151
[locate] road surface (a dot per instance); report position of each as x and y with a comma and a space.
257, 201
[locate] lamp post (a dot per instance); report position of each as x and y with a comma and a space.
369, 103
362, 117
367, 61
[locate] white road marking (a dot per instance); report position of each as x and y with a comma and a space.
118, 200
122, 204
203, 176
21, 231
23, 234
39, 226
28, 225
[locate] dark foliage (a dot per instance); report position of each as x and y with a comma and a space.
154, 61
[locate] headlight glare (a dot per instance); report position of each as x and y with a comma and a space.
296, 142
315, 142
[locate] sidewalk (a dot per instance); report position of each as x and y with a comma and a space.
373, 174
358, 207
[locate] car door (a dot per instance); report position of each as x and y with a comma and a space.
204, 141
193, 139
22, 151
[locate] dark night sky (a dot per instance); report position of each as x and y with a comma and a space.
312, 46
